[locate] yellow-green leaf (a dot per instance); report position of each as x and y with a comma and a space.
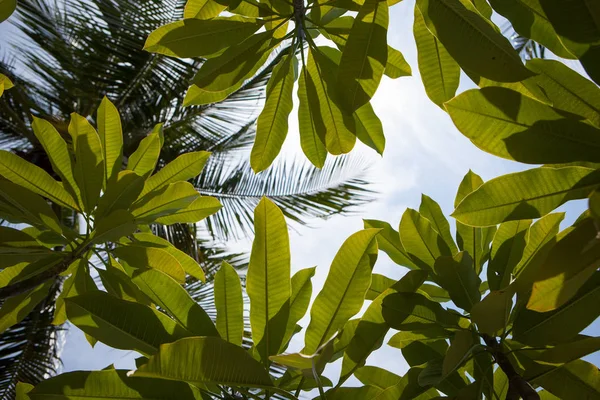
16, 308
113, 227
301, 293
120, 193
183, 168
229, 304
164, 201
396, 65
79, 282
268, 279
199, 209
491, 314
344, 289
369, 129
203, 9
111, 137
310, 121
413, 311
141, 257
507, 249
388, 240
431, 210
457, 275
144, 158
272, 123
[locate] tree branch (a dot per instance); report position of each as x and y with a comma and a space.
518, 387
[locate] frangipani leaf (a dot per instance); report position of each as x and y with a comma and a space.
229, 304
111, 138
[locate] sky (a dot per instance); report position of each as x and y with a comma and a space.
424, 153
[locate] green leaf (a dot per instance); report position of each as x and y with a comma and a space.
199, 38
375, 376
183, 168
337, 127
439, 72
229, 304
29, 266
111, 138
7, 7
408, 388
421, 241
268, 279
310, 121
364, 57
199, 209
58, 154
144, 158
379, 283
457, 276
461, 346
402, 340
79, 282
301, 293
120, 193
113, 227
122, 324
110, 384
32, 177
272, 123
492, 313
369, 129
527, 17
372, 328
567, 89
119, 284
472, 40
435, 293
29, 207
431, 210
203, 9
175, 300
528, 194
507, 250
510, 125
540, 233
141, 257
568, 265
344, 289
164, 201
89, 160
237, 64
413, 311
210, 360
354, 393
563, 324
5, 83
16, 308
388, 240
396, 65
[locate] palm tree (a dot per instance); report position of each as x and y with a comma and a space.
66, 57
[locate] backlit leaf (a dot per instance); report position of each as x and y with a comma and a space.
111, 138
229, 304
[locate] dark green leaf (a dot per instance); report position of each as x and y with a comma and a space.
457, 275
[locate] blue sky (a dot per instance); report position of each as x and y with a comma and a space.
424, 154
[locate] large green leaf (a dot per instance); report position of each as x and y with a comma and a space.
199, 209
58, 154
122, 324
457, 275
388, 240
492, 313
408, 388
310, 120
364, 57
369, 129
507, 249
375, 376
183, 168
111, 138
32, 177
229, 304
7, 7
567, 89
203, 9
344, 289
175, 300
89, 160
563, 324
206, 360
144, 158
16, 308
164, 201
439, 72
413, 311
337, 127
199, 38
120, 193
272, 123
396, 64
113, 227
141, 257
110, 384
508, 124
422, 242
431, 210
29, 207
372, 328
79, 282
301, 293
472, 40
119, 284
568, 265
540, 233
268, 279
528, 194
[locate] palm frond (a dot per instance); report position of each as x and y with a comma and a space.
298, 188
527, 48
29, 349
